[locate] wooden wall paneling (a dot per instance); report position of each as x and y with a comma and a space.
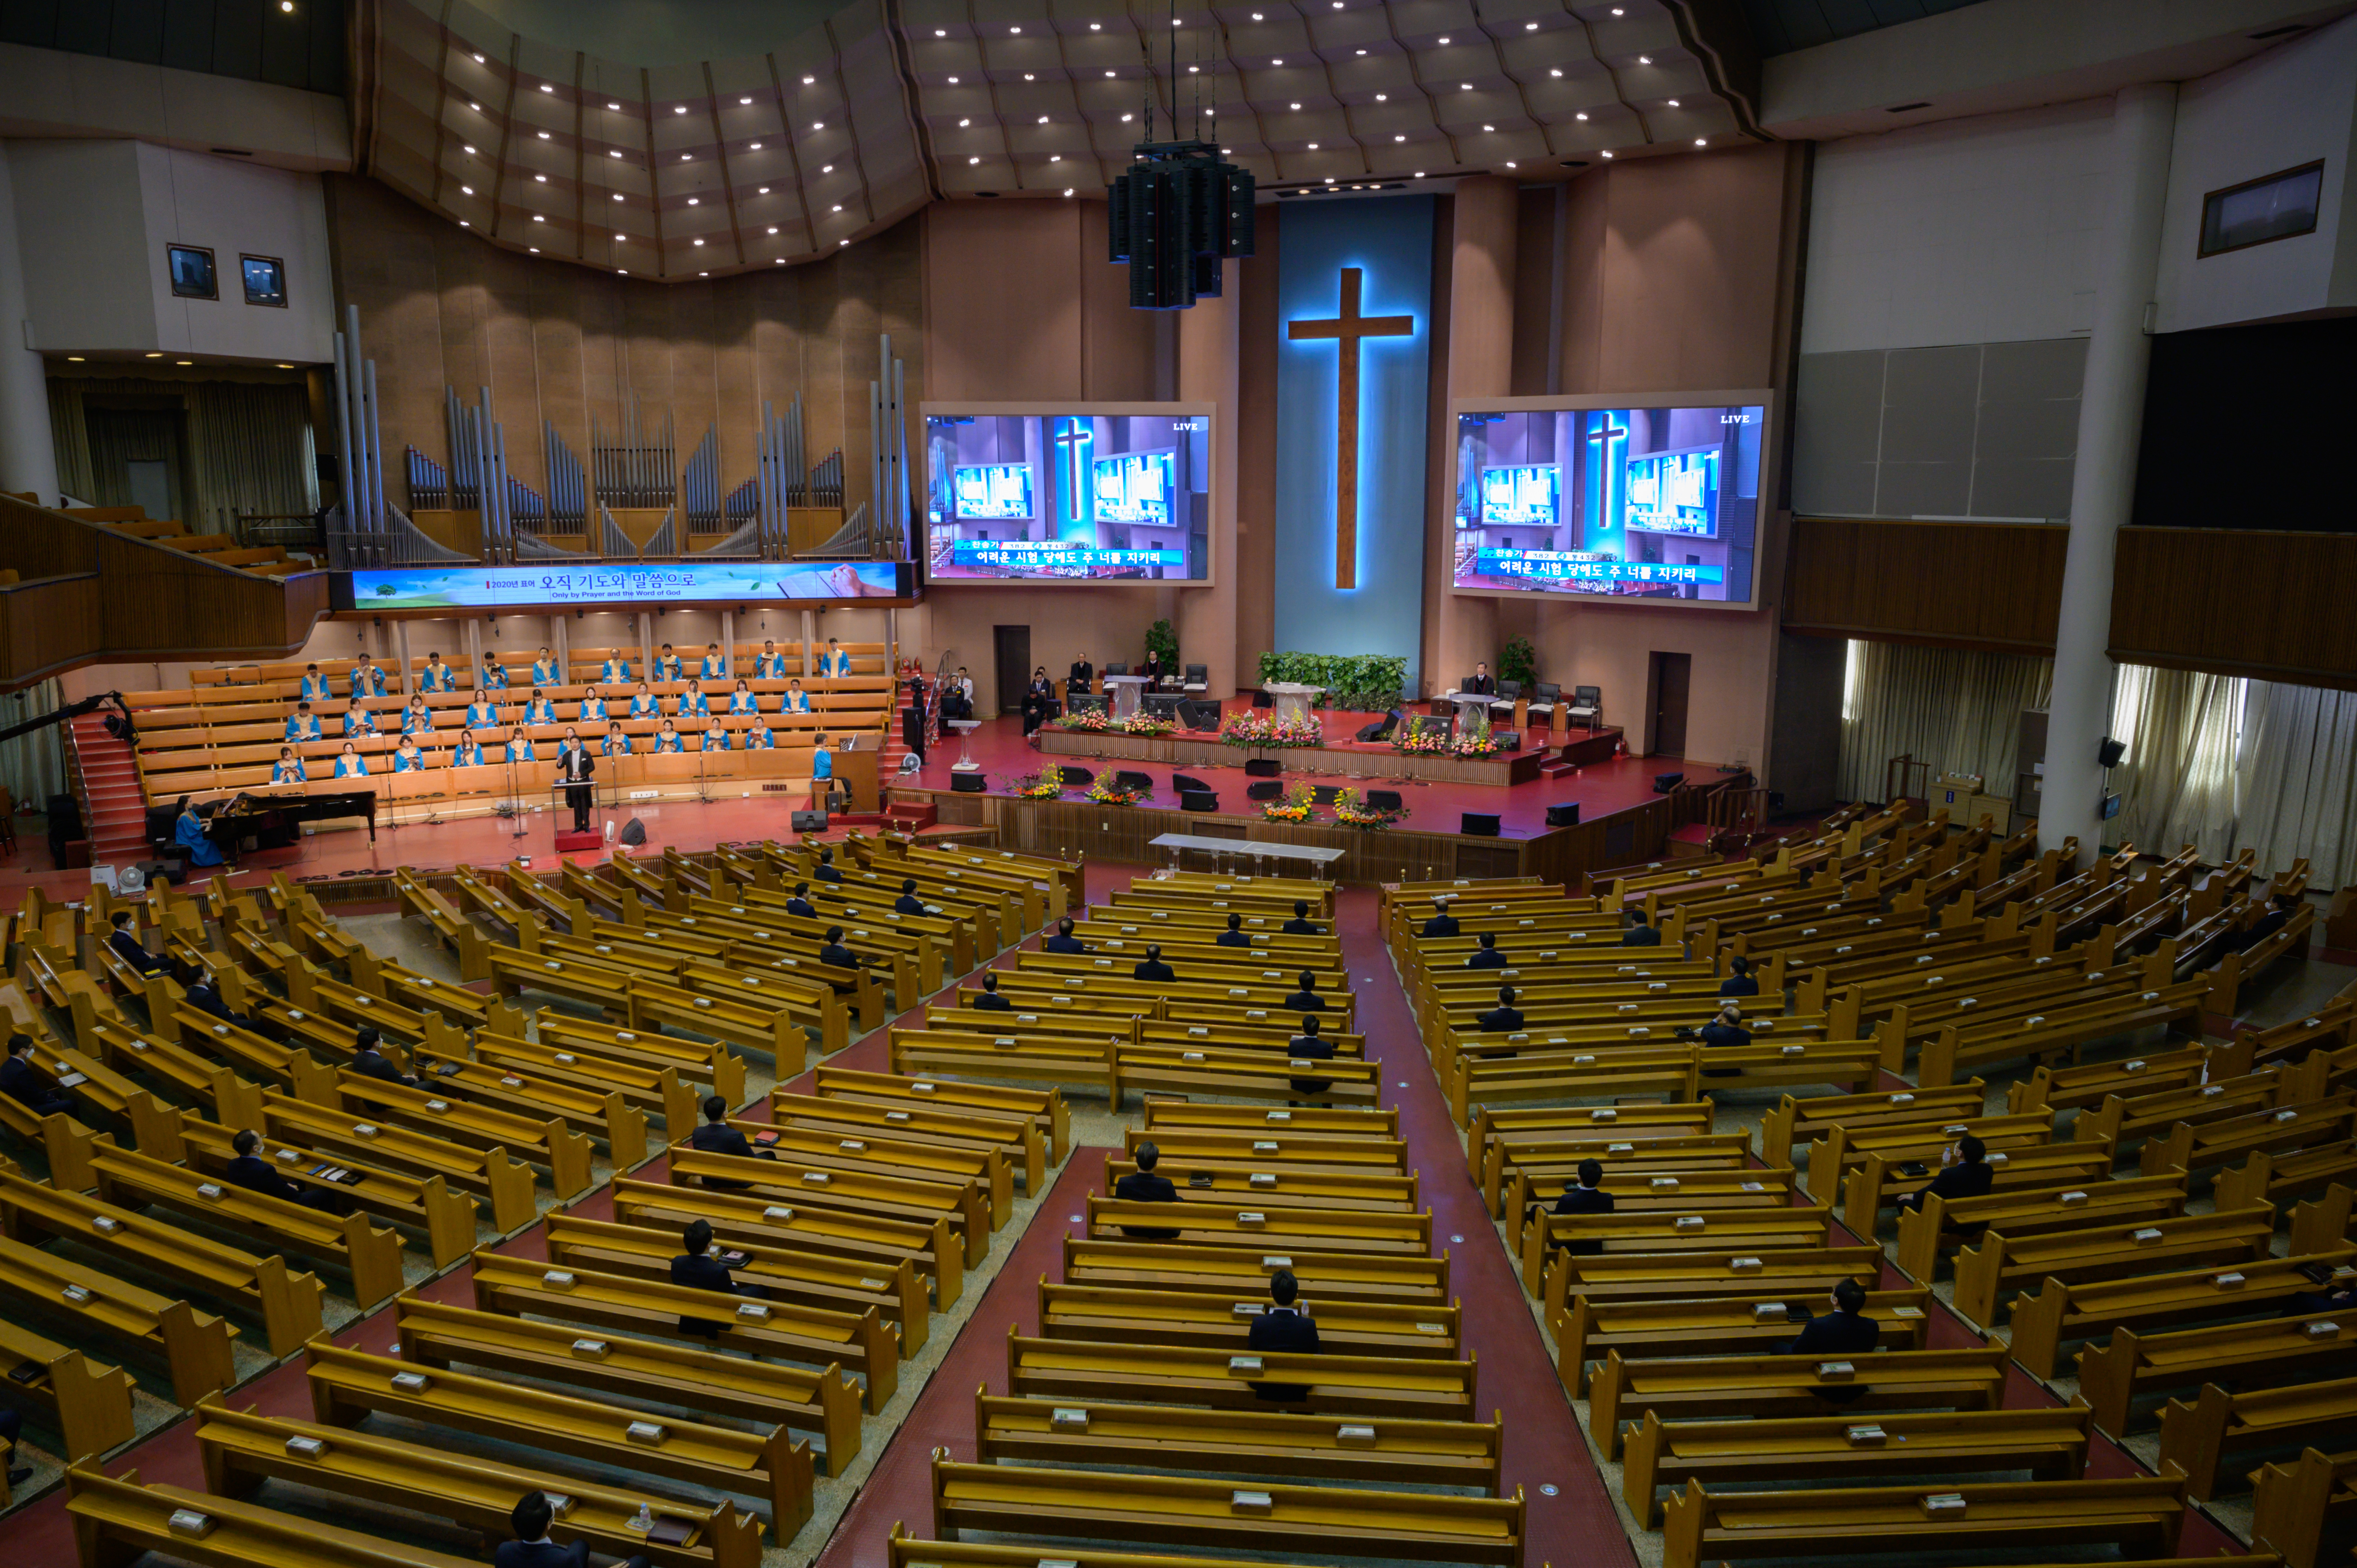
1989, 585
2273, 606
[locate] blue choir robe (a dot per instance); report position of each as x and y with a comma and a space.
519, 749
542, 712
770, 667
300, 728
368, 680
415, 722
669, 741
835, 663
438, 678
759, 738
544, 673
359, 721
713, 667
352, 767
467, 756
189, 832
669, 668
593, 711
646, 707
494, 678
692, 704
405, 762
615, 745
614, 669
288, 772
743, 702
314, 689
822, 764
482, 715
715, 740
795, 703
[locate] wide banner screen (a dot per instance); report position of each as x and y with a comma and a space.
1637, 503
675, 582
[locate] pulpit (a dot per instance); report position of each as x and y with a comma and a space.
1292, 699
1124, 689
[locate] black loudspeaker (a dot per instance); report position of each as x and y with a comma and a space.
1262, 768
1182, 782
967, 784
1566, 815
808, 822
1075, 777
1135, 781
1507, 739
2108, 755
1479, 824
1665, 782
1384, 801
1198, 800
1262, 699
1324, 793
634, 832
1200, 714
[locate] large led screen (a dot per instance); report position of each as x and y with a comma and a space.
1622, 503
1027, 493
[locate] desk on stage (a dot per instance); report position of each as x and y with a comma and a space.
1316, 856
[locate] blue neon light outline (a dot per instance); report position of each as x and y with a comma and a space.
1367, 306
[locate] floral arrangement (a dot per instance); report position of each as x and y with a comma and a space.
1093, 720
1422, 741
1256, 729
1353, 811
1296, 805
1477, 742
1109, 790
1036, 785
1147, 724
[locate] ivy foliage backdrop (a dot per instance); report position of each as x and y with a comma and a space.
1356, 682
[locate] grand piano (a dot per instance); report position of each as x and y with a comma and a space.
274, 820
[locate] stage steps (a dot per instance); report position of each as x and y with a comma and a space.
115, 816
910, 816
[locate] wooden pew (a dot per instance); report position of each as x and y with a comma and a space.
1240, 1274
1750, 1387
546, 1141
1803, 1121
2201, 1436
1079, 1370
1353, 1122
704, 1062
1120, 1316
1752, 1230
2138, 1514
798, 1185
1788, 1273
2123, 1121
1273, 1184
348, 1385
879, 1152
424, 1205
242, 1450
1943, 1222
2060, 1311
2115, 1373
1716, 1325
193, 1348
1045, 1108
2293, 1505
2083, 1087
117, 1520
87, 1404
2002, 1264
1224, 1224
2290, 1129
878, 1243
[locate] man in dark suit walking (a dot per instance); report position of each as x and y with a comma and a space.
1283, 1330
1844, 1331
532, 1547
1586, 1195
1505, 1015
1142, 1185
1234, 937
1487, 956
1151, 967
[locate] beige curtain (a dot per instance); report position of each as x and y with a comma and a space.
248, 445
1958, 710
32, 766
2297, 775
2176, 780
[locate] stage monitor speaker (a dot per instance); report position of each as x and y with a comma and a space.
1665, 782
1262, 699
1135, 781
1267, 789
1384, 801
968, 784
1075, 777
802, 823
1200, 714
1323, 794
1566, 815
1198, 800
1507, 739
1262, 768
1182, 782
1479, 824
1383, 727
634, 831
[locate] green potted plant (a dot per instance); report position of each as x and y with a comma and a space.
1162, 642
1519, 662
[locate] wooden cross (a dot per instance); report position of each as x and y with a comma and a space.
1347, 328
1604, 434
1075, 432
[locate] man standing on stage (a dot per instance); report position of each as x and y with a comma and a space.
575, 768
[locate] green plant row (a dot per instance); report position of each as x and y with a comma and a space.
1358, 682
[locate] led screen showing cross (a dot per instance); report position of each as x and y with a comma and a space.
1346, 328
1071, 438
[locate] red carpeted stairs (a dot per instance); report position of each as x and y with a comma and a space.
113, 815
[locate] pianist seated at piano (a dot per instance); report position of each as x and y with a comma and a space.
740, 701
359, 721
482, 714
644, 705
314, 688
520, 748
796, 700
288, 769
667, 738
303, 724
189, 832
493, 676
759, 737
616, 743
470, 751
539, 709
593, 707
350, 764
417, 718
408, 760
716, 739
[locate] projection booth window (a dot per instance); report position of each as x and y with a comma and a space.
2275, 207
192, 271
265, 280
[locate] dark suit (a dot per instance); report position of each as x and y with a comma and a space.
254, 1173
801, 907
1831, 1337
1081, 678
205, 999
1440, 926
1234, 939
575, 767
1305, 1002
719, 1138
1641, 936
1503, 1018
1282, 1331
1153, 969
908, 904
1315, 1049
992, 1002
134, 952
1739, 986
1145, 1186
701, 1271
544, 1554
1966, 1178
1063, 944
368, 1064
1303, 929
827, 874
1480, 686
21, 1081
840, 956
1584, 1200
1724, 1034
1486, 958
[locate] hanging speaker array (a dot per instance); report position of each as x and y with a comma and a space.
1174, 216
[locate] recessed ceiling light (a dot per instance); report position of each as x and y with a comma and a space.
704, 274
842, 243
533, 249
1418, 175
620, 238
76, 358
618, 196
159, 353
1313, 146
613, 106
542, 179
467, 189
838, 207
1068, 190
974, 160
694, 200
699, 241
1674, 102
546, 87
684, 157
464, 224
745, 100
1296, 106
1191, 71
1618, 11
810, 81
1127, 118
1399, 138
953, 81
1257, 16
1382, 97
1330, 179
471, 152
475, 106
1465, 87
1530, 27
538, 218
1093, 27
679, 109
1056, 157
1608, 152
964, 123
753, 147
1582, 115
823, 168
479, 59
940, 32
1363, 51
615, 153
1644, 59
1276, 62
781, 261
1043, 119
1490, 128
1701, 141
765, 190
1028, 77
624, 271
1444, 40
1108, 73
1510, 163
184, 361
1014, 29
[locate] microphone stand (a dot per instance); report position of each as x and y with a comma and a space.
515, 793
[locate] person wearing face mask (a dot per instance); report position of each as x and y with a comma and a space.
1964, 1172
1843, 1332
22, 1080
249, 1170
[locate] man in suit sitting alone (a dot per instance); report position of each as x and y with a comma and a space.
1843, 1332
1309, 1045
1306, 999
1442, 923
1586, 1195
206, 998
1964, 1172
908, 903
368, 1062
1302, 925
532, 1549
1487, 955
1063, 940
1505, 1015
22, 1082
987, 998
1638, 934
799, 902
697, 1269
1283, 1330
131, 950
1234, 937
249, 1170
1151, 967
826, 871
1739, 980
841, 957
1142, 1185
716, 1136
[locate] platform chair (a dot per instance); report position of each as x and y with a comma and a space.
1545, 695
1197, 678
1588, 706
1502, 705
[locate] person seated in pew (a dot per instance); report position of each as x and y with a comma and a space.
760, 738
539, 709
303, 724
1151, 966
1302, 925
22, 1080
1505, 1015
835, 660
1844, 1331
1637, 934
740, 701
407, 758
716, 1136
1585, 1195
493, 676
796, 700
668, 666
288, 769
715, 739
544, 669
988, 999
1306, 999
826, 871
1236, 935
1143, 1186
2260, 929
643, 704
841, 957
769, 664
249, 1170
715, 665
205, 996
124, 940
1739, 980
350, 764
437, 675
1312, 1047
367, 679
1964, 1172
312, 688
908, 903
1440, 923
1487, 955
692, 703
1283, 1330
470, 750
532, 1548
482, 713
12, 1427
520, 748
593, 708
368, 1062
1063, 940
668, 738
799, 902
359, 721
615, 671
2304, 1303
616, 743
417, 718
697, 1269
1727, 1029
